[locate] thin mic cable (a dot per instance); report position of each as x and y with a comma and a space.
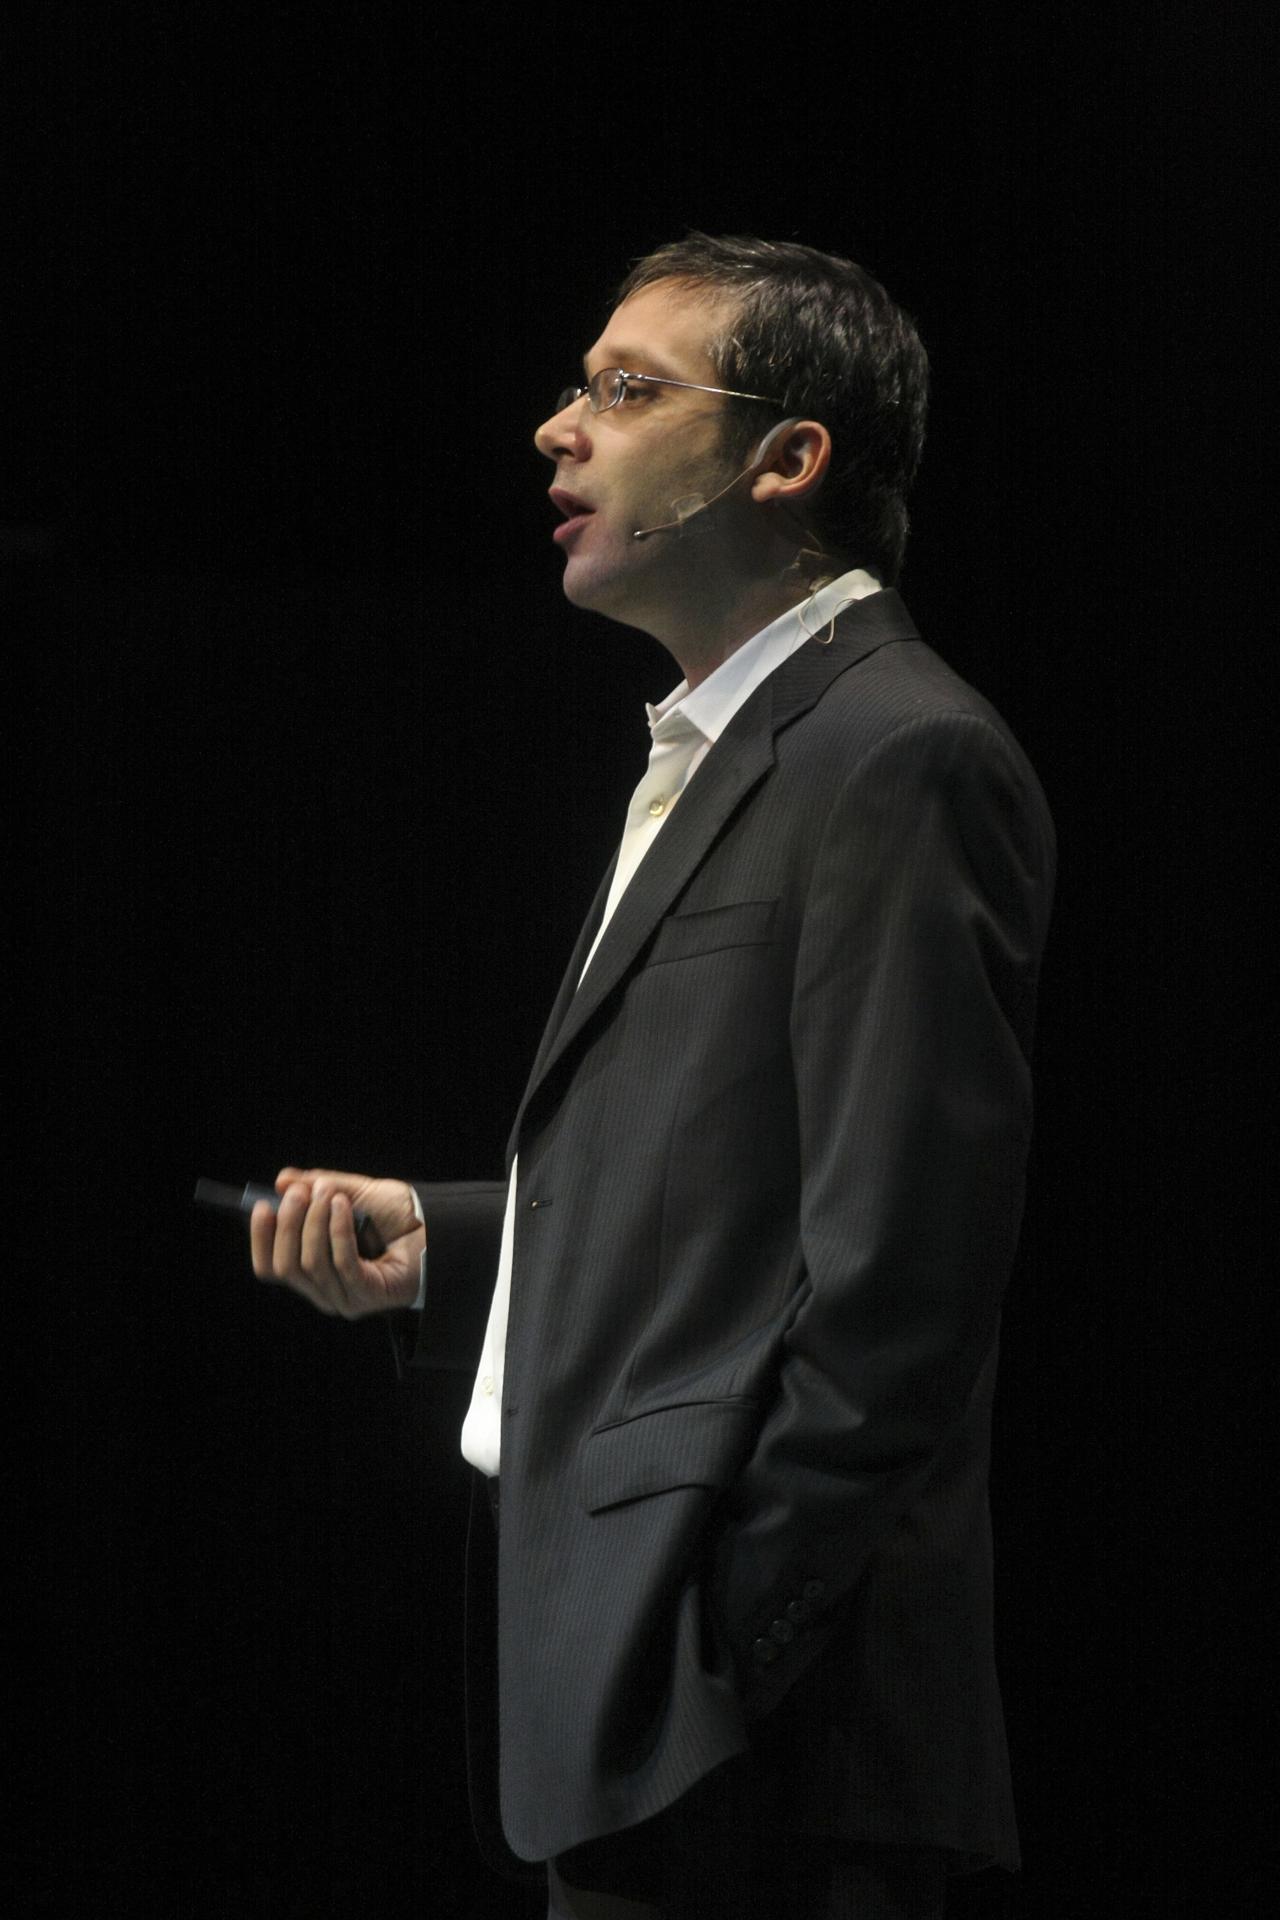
690, 504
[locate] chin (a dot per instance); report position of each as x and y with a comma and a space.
606, 596
617, 578
593, 588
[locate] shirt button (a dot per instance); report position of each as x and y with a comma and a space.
656, 806
486, 1385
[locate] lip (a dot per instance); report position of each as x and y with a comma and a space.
575, 510
571, 505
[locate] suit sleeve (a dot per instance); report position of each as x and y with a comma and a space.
912, 1013
464, 1235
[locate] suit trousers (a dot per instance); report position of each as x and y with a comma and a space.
705, 1858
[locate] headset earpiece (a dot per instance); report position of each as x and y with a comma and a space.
772, 441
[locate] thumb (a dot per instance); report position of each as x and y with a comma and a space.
348, 1183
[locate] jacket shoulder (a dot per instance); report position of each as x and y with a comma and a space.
897, 713
903, 686
901, 682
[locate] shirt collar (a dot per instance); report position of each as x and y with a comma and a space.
711, 706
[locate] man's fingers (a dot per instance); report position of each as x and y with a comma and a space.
342, 1244
309, 1244
290, 1215
295, 1259
262, 1235
313, 1176
314, 1238
275, 1237
327, 1258
317, 1255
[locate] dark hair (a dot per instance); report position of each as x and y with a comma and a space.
822, 337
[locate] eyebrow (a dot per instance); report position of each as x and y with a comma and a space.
639, 360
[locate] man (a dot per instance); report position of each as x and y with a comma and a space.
765, 1181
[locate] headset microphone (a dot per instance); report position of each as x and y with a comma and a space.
691, 504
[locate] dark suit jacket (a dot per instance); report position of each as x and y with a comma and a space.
771, 1168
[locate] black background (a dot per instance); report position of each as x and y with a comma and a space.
317, 773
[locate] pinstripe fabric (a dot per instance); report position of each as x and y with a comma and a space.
776, 1145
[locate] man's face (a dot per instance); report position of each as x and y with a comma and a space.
625, 468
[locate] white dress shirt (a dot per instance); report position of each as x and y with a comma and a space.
684, 728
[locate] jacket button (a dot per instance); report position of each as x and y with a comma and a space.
798, 1612
782, 1631
815, 1590
766, 1652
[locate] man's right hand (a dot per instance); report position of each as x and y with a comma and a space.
310, 1244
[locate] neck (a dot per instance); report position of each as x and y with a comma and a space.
720, 610
702, 642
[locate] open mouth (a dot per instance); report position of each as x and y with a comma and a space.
576, 513
569, 504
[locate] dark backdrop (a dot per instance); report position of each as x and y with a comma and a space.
321, 772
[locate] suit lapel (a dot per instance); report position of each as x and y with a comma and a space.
740, 758
568, 986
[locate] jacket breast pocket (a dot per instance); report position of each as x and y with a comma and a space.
747, 923
699, 1443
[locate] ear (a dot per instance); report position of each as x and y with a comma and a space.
794, 460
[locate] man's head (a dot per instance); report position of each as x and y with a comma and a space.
809, 341
824, 340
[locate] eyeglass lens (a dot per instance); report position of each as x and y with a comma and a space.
603, 390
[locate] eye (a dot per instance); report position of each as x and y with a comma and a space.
635, 391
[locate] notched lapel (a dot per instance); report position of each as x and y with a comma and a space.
564, 997
740, 758
727, 774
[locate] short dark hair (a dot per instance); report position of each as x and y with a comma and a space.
821, 336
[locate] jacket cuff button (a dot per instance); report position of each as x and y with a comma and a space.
766, 1652
782, 1631
815, 1590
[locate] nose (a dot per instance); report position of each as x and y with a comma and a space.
565, 432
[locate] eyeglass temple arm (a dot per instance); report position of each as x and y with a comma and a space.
693, 386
